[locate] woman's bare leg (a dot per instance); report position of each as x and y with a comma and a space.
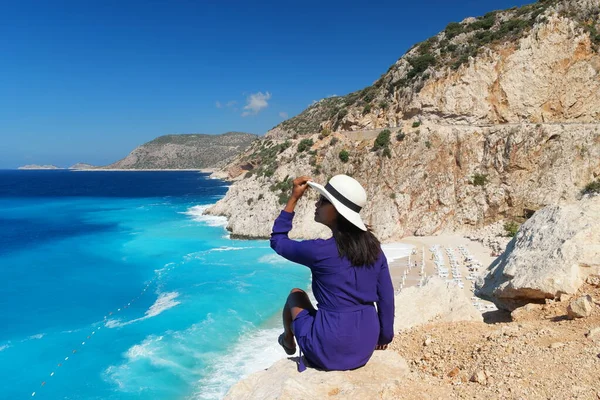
296, 302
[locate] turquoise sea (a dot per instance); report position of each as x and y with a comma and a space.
115, 286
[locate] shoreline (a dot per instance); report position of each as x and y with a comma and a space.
203, 170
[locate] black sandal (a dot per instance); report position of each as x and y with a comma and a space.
288, 350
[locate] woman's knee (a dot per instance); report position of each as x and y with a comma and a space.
295, 290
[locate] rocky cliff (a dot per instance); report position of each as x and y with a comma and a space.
490, 120
191, 151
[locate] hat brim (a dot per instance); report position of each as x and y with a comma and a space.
347, 213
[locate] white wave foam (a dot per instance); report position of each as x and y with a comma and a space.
163, 303
256, 351
228, 248
273, 259
394, 251
197, 214
4, 347
38, 336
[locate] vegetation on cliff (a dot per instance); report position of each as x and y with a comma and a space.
438, 56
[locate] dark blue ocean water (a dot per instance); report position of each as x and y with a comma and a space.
115, 286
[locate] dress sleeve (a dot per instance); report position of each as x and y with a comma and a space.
385, 304
301, 252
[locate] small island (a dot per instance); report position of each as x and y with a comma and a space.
36, 166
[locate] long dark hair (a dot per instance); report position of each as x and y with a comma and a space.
362, 248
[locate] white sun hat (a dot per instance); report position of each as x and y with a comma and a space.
347, 196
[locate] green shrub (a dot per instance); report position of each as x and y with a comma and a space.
416, 124
387, 152
260, 196
366, 109
428, 144
511, 228
283, 198
420, 64
283, 146
453, 29
392, 196
484, 23
326, 132
383, 105
249, 201
344, 156
400, 136
248, 174
312, 161
333, 141
592, 187
479, 179
268, 172
383, 139
305, 144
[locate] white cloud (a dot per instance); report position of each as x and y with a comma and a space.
218, 104
255, 103
231, 103
283, 114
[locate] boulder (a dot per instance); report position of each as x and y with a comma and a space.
378, 379
553, 253
581, 307
434, 301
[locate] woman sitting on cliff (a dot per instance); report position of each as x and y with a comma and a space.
349, 276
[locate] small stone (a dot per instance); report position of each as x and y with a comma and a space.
453, 372
594, 333
556, 345
479, 377
581, 307
427, 342
564, 297
593, 280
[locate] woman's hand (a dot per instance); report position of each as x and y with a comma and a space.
300, 186
381, 347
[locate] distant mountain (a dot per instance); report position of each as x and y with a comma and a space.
82, 166
35, 166
188, 151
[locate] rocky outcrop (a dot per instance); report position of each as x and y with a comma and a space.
553, 253
193, 151
378, 379
439, 178
415, 306
436, 301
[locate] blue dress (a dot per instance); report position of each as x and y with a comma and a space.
343, 332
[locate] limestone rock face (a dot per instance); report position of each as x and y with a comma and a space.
548, 76
378, 379
427, 186
435, 301
553, 253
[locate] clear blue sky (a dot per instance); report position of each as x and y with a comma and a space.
88, 81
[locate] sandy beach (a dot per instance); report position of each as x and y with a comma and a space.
422, 246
